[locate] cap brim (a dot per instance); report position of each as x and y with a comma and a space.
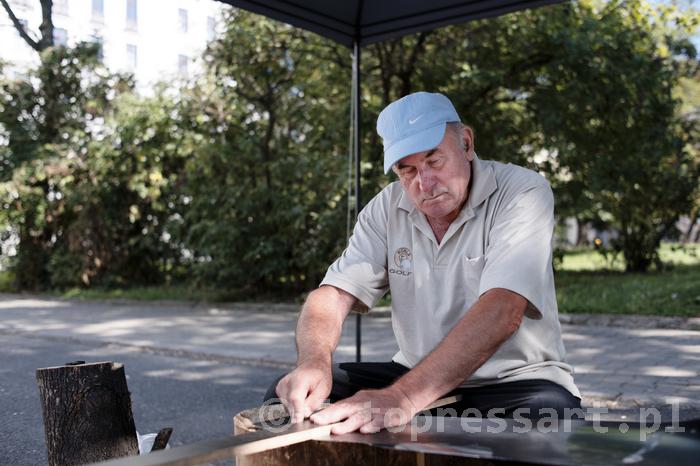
419, 142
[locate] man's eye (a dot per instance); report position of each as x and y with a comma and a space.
407, 171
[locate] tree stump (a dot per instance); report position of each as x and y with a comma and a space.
87, 413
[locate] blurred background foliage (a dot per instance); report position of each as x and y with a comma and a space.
237, 180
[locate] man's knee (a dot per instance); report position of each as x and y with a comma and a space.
554, 401
271, 393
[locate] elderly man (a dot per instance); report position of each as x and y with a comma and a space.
464, 245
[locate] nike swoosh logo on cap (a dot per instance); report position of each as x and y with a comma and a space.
410, 122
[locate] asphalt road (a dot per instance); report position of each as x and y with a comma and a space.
197, 397
193, 367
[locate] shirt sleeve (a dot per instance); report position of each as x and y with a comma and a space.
362, 268
519, 252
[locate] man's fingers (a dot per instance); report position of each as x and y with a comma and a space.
304, 389
296, 404
393, 417
352, 423
336, 412
315, 400
370, 428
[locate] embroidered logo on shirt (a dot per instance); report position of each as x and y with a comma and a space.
403, 260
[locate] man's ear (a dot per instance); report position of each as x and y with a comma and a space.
468, 138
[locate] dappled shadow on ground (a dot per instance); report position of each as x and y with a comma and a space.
235, 333
610, 363
651, 364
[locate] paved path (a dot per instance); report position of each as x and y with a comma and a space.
620, 367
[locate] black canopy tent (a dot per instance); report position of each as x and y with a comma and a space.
358, 22
355, 23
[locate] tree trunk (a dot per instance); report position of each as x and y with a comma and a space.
87, 413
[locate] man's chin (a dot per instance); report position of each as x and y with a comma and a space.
436, 212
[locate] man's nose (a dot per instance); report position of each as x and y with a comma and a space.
426, 180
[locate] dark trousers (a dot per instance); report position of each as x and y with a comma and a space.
501, 400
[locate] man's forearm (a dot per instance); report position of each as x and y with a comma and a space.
472, 341
320, 323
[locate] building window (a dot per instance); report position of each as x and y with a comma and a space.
131, 18
60, 7
131, 58
211, 28
60, 37
98, 9
99, 41
182, 20
182, 64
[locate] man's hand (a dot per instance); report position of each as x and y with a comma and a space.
303, 390
368, 411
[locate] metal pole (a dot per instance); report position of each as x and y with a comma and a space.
356, 148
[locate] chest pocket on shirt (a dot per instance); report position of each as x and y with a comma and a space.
472, 267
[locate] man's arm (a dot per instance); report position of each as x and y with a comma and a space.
476, 337
318, 331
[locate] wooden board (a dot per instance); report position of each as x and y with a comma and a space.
227, 447
253, 439
322, 452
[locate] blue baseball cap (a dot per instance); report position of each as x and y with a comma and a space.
414, 123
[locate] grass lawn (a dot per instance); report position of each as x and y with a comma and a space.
587, 283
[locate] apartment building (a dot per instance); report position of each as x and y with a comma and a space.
155, 39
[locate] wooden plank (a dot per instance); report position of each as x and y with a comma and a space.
226, 448
448, 400
239, 445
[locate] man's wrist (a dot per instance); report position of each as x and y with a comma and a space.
320, 359
414, 394
419, 395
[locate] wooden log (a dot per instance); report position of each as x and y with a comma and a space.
87, 413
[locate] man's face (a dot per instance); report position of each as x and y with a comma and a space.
437, 181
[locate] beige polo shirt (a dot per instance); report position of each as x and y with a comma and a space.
501, 239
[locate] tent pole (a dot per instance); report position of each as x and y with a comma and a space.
356, 148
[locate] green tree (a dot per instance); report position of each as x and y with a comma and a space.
608, 113
238, 180
583, 92
46, 124
119, 198
263, 194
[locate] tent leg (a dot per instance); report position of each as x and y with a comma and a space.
356, 148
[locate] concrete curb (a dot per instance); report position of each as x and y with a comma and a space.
631, 321
594, 320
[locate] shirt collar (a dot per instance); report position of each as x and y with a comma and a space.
483, 182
